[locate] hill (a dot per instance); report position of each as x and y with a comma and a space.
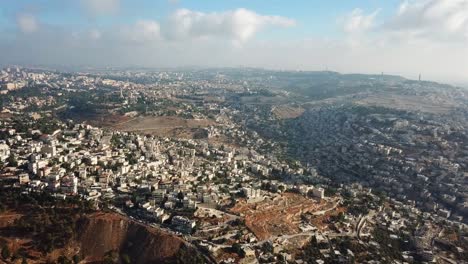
46, 231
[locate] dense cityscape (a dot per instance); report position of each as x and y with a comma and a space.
239, 165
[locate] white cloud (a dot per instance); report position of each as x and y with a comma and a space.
142, 31
27, 23
420, 37
101, 7
95, 34
358, 22
238, 25
441, 19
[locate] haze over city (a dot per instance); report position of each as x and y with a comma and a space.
394, 37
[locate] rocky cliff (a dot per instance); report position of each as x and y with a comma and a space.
95, 238
101, 233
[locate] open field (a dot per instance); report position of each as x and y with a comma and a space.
264, 100
101, 119
166, 126
200, 98
109, 120
279, 216
409, 103
287, 112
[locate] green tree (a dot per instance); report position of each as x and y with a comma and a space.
237, 248
180, 195
63, 260
76, 259
111, 257
330, 191
5, 252
12, 161
126, 259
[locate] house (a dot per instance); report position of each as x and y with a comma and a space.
183, 224
4, 152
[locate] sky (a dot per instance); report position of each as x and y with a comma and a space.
403, 37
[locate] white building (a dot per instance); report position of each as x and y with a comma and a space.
4, 152
50, 150
319, 193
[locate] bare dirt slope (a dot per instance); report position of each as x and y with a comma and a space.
97, 238
279, 216
101, 233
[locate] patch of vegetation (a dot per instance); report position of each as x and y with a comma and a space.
186, 256
51, 223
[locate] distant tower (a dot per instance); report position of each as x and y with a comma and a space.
419, 77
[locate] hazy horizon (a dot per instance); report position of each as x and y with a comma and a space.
78, 68
406, 38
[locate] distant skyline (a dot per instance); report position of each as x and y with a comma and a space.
392, 36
